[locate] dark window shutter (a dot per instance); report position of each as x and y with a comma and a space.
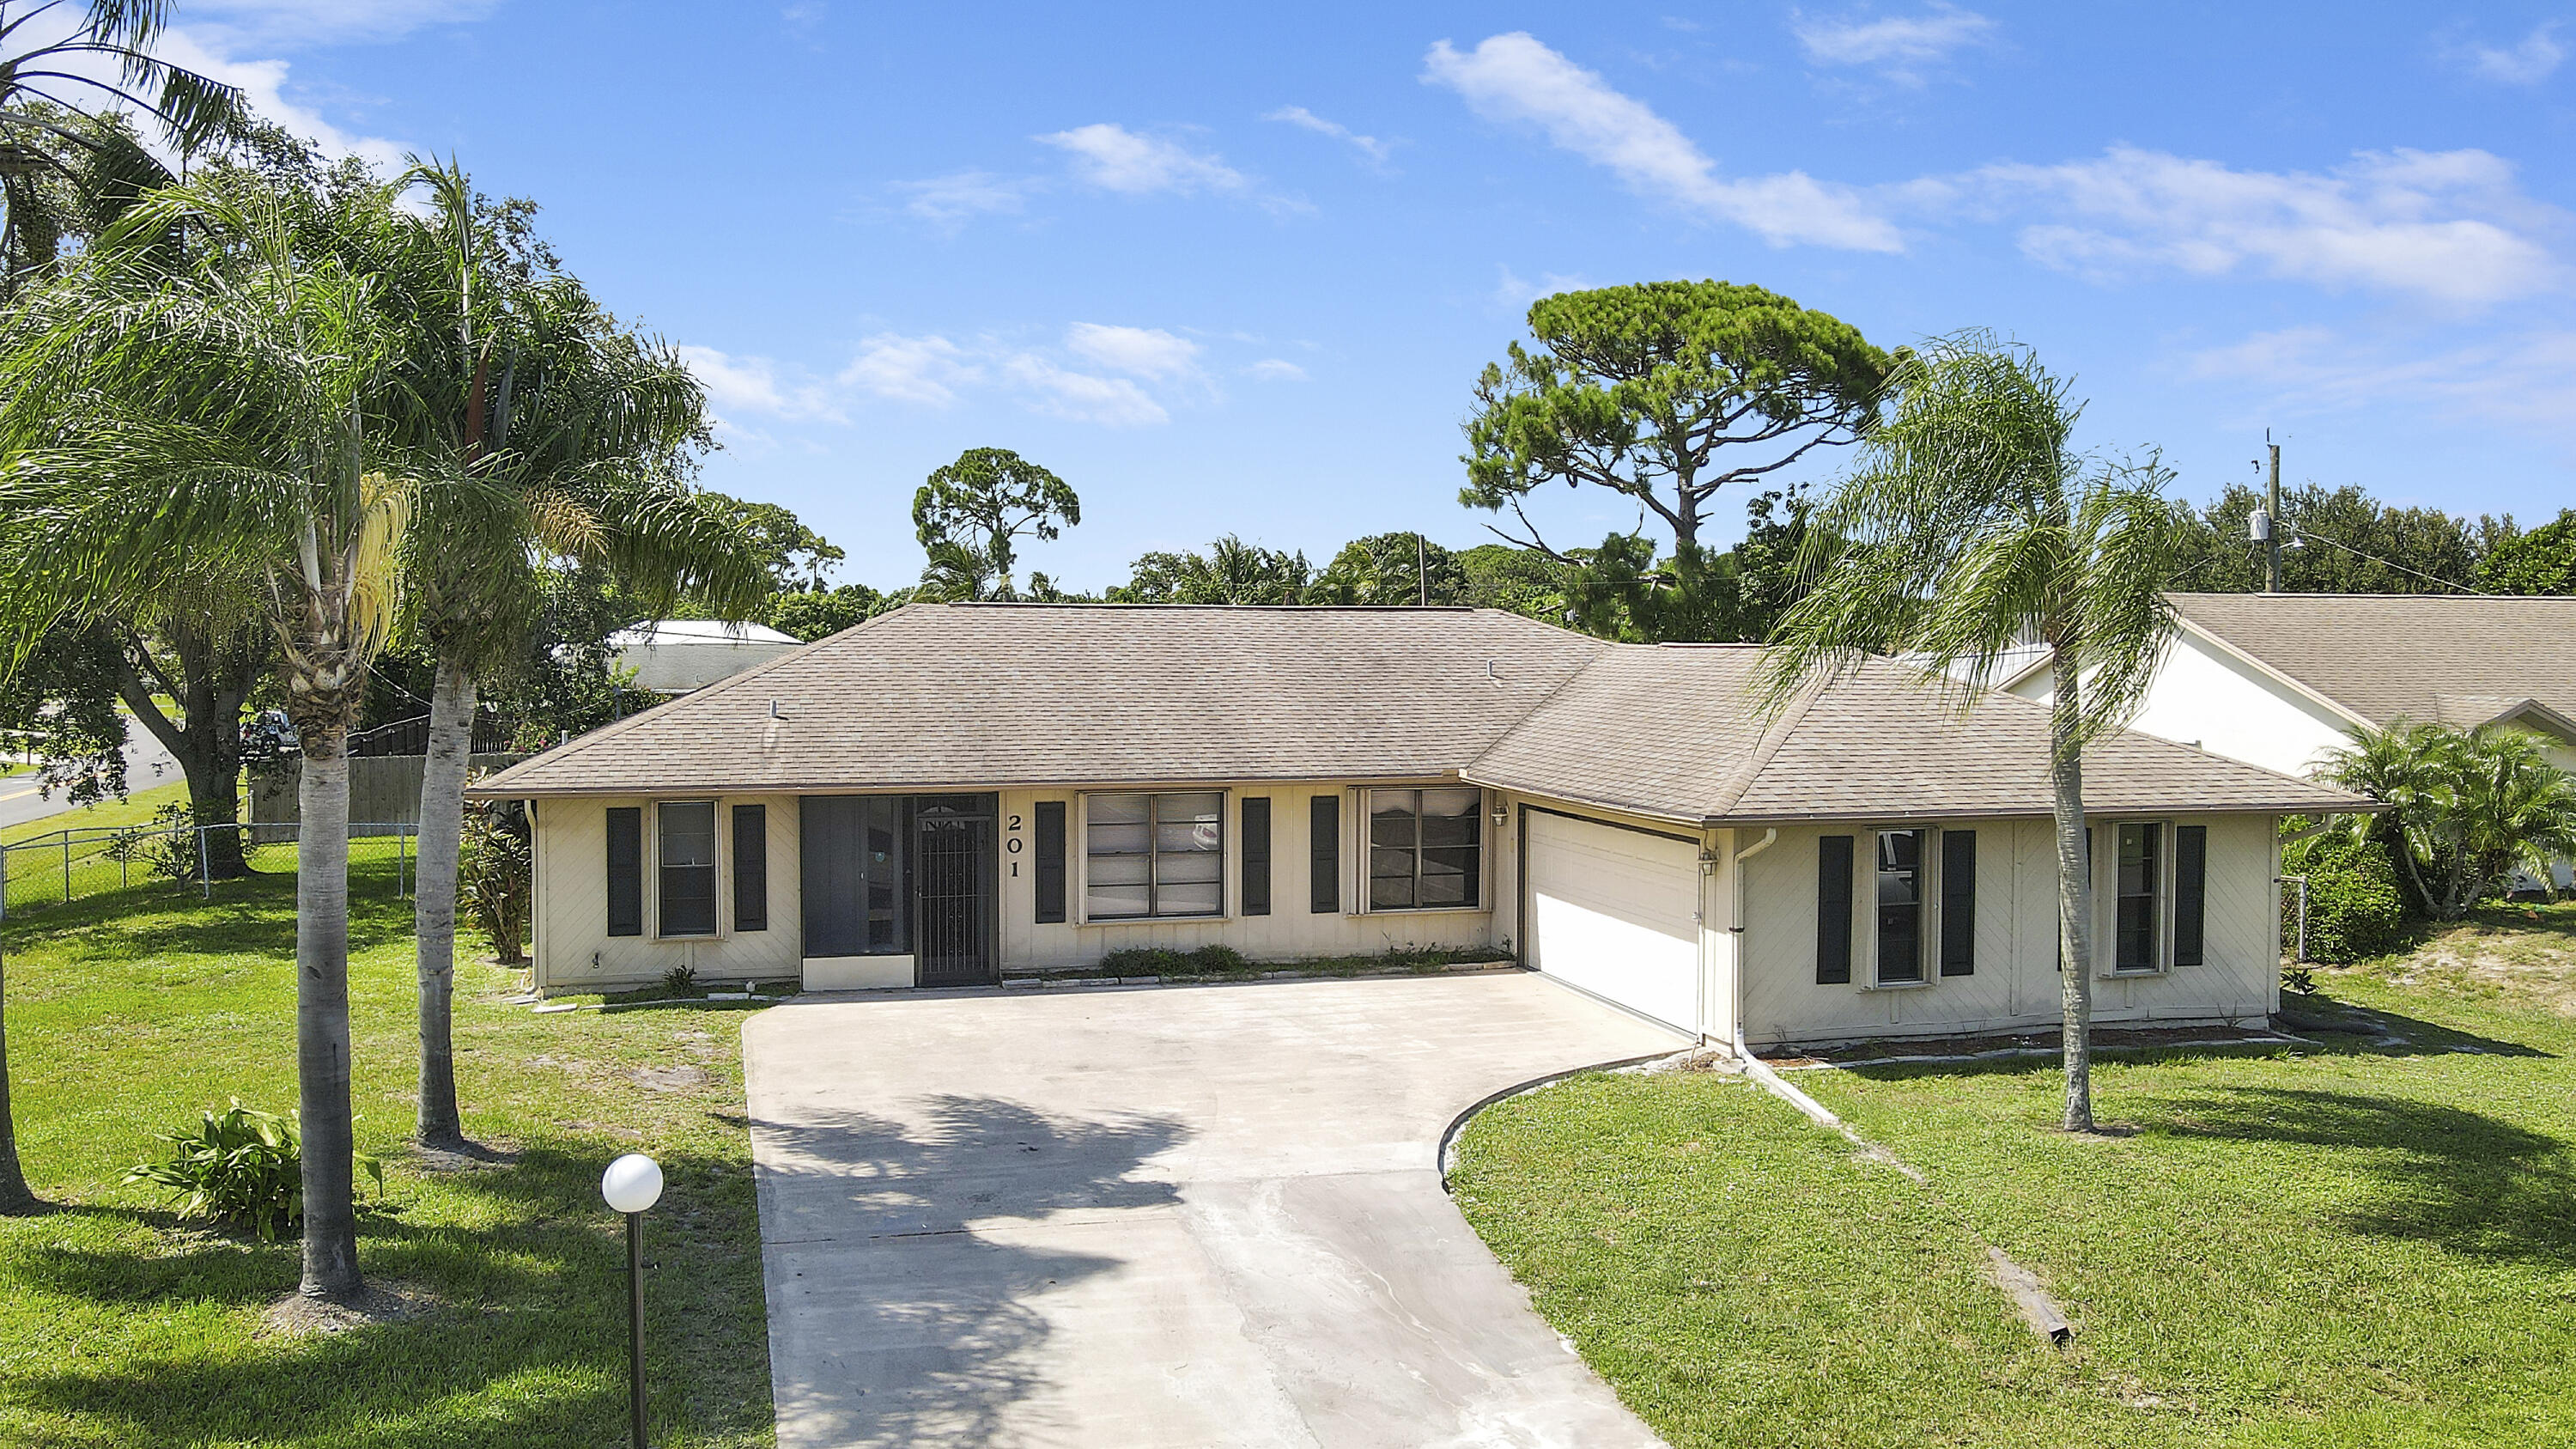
1833, 910
626, 871
1958, 903
1256, 856
2191, 891
1324, 854
751, 867
1050, 863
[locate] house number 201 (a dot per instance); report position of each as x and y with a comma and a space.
1015, 844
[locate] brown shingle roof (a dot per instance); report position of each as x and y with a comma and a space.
1671, 731
980, 696
2432, 658
938, 695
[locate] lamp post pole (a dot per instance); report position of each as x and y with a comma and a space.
632, 1184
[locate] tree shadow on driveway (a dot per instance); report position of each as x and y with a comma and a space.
901, 1312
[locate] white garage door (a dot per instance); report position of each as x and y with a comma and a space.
1611, 911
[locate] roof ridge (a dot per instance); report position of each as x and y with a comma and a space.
1775, 734
1604, 649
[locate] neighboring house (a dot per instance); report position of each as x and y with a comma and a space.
675, 656
2278, 680
957, 794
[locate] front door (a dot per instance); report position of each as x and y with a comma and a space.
954, 904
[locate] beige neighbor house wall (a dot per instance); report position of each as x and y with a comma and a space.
2016, 984
573, 951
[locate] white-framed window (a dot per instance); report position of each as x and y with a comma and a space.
1900, 906
2139, 901
1426, 849
1151, 855
685, 868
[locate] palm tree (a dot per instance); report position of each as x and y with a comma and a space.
51, 64
230, 408
2467, 808
576, 430
1970, 527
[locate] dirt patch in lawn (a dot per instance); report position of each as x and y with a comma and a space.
2529, 966
296, 1316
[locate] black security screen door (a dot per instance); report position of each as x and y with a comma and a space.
953, 868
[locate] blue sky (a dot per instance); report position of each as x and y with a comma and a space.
1236, 268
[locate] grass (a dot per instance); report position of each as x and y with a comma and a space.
135, 809
2370, 1242
119, 1325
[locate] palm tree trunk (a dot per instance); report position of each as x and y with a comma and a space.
2074, 895
442, 821
15, 1196
322, 1014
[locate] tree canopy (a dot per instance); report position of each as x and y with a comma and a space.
971, 513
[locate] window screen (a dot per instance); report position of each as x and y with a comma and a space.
1899, 880
1324, 854
2191, 892
2140, 881
1958, 903
1256, 856
626, 870
1833, 910
1425, 848
1154, 855
1050, 862
751, 867
688, 868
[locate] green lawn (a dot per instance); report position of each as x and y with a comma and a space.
120, 1326
2364, 1244
134, 809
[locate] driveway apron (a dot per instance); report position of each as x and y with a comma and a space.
1158, 1217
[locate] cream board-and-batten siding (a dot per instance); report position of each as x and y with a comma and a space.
1645, 833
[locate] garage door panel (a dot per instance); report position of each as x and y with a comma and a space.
1615, 912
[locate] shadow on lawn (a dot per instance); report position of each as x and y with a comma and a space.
528, 1347
912, 1326
2466, 1181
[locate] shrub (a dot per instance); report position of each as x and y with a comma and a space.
2354, 909
241, 1167
495, 877
680, 981
1163, 961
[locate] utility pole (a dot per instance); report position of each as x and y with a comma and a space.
2272, 508
1421, 570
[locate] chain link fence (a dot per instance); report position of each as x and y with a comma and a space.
200, 861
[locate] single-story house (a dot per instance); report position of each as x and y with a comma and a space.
675, 656
2278, 680
956, 794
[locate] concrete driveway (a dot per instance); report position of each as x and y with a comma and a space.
1186, 1216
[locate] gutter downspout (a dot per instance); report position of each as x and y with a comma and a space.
1769, 837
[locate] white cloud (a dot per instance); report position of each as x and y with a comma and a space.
1114, 158
1144, 351
2528, 62
1275, 369
2449, 225
1516, 78
950, 201
2526, 379
263, 84
1082, 397
738, 385
1900, 46
927, 369
1514, 293
291, 23
1370, 146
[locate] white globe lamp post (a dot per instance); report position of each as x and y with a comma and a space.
632, 1184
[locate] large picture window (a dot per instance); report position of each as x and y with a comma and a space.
688, 868
1147, 856
1900, 905
1426, 849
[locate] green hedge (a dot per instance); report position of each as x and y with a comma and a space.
2354, 908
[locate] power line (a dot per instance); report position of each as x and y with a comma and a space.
2384, 563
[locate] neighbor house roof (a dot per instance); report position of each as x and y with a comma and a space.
978, 696
1677, 731
2433, 658
956, 695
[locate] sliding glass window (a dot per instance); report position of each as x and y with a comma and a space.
1151, 856
1426, 849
